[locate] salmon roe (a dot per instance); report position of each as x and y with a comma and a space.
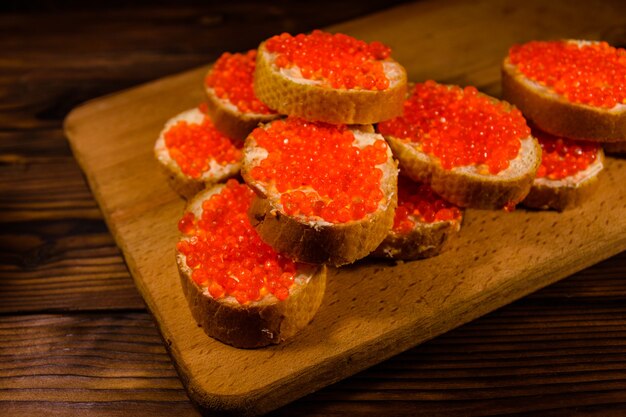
587, 73
418, 202
226, 254
193, 146
232, 78
460, 127
319, 171
562, 157
337, 60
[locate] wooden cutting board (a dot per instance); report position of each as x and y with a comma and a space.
372, 310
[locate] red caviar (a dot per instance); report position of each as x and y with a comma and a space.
232, 78
562, 157
319, 170
588, 73
226, 254
193, 146
337, 60
459, 126
204, 108
418, 202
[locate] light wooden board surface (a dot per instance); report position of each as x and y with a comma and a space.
372, 310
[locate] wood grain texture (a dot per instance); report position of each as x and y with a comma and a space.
45, 183
64, 54
524, 359
372, 310
63, 265
55, 251
88, 364
537, 356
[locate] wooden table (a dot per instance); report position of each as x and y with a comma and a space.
75, 336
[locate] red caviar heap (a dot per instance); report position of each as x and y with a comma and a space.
232, 78
460, 126
587, 73
319, 171
562, 157
419, 201
193, 146
337, 60
226, 254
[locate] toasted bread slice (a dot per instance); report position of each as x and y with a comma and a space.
470, 185
287, 92
467, 186
555, 114
568, 192
312, 239
229, 120
186, 185
425, 238
255, 323
227, 116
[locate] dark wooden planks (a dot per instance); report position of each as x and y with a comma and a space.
46, 69
57, 57
55, 250
86, 364
39, 179
527, 357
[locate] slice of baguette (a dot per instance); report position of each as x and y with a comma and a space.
314, 240
425, 240
554, 114
568, 192
226, 116
289, 93
255, 324
467, 186
229, 120
183, 184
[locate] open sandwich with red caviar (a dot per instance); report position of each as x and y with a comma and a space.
194, 154
423, 226
472, 149
568, 174
325, 194
569, 88
232, 104
240, 290
331, 78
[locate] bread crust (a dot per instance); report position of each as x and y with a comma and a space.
183, 184
566, 193
558, 116
425, 240
465, 187
319, 242
229, 120
314, 102
255, 324
336, 244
